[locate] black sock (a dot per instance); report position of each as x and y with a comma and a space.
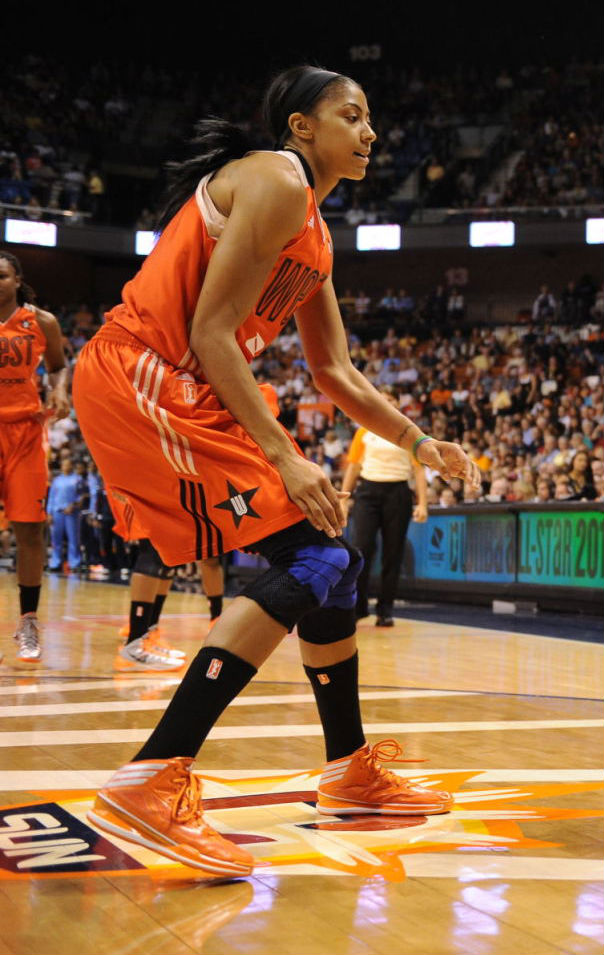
29, 598
140, 616
214, 678
336, 690
157, 609
215, 606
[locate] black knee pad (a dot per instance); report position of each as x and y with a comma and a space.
336, 619
327, 625
148, 561
306, 566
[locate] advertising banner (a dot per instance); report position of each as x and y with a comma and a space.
563, 549
465, 547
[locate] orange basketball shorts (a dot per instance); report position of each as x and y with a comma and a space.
23, 470
177, 467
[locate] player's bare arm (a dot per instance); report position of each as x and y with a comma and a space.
268, 208
54, 357
326, 350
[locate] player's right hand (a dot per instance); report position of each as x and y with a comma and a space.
310, 488
450, 460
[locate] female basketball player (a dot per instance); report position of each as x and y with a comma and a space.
26, 335
196, 461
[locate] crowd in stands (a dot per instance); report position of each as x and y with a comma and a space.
525, 400
65, 128
554, 128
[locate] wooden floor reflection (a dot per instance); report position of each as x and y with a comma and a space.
512, 722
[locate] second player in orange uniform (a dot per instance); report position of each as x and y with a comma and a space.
27, 334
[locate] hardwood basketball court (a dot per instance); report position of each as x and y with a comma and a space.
512, 722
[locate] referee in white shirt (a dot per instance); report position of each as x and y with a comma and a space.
378, 473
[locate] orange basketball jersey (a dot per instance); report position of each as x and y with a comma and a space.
184, 473
159, 303
22, 344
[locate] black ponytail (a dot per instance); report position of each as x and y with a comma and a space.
25, 292
218, 142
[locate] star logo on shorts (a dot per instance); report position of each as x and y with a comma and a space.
238, 503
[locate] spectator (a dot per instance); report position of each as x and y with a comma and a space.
96, 195
544, 491
404, 303
355, 214
544, 306
33, 209
447, 498
563, 490
580, 479
434, 171
362, 304
332, 447
498, 491
456, 305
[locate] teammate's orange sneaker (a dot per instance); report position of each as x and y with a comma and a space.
358, 784
157, 803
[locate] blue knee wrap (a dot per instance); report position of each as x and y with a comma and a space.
344, 594
306, 567
335, 619
321, 568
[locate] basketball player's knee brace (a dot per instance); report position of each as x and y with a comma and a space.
335, 619
149, 563
303, 574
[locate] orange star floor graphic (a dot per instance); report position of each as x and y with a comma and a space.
275, 817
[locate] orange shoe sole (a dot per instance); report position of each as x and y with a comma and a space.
340, 807
118, 824
124, 666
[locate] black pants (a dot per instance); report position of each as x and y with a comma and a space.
383, 506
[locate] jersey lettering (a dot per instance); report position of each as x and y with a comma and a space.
11, 350
292, 283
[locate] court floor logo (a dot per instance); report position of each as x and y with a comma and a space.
45, 837
275, 817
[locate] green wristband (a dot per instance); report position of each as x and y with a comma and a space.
416, 444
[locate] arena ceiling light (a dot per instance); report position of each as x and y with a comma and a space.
492, 234
594, 231
378, 238
144, 241
30, 233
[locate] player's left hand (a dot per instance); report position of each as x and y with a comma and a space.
58, 403
420, 513
450, 460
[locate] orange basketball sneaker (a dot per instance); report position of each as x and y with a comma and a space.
157, 803
358, 784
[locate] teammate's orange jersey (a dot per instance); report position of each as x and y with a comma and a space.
159, 303
22, 344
